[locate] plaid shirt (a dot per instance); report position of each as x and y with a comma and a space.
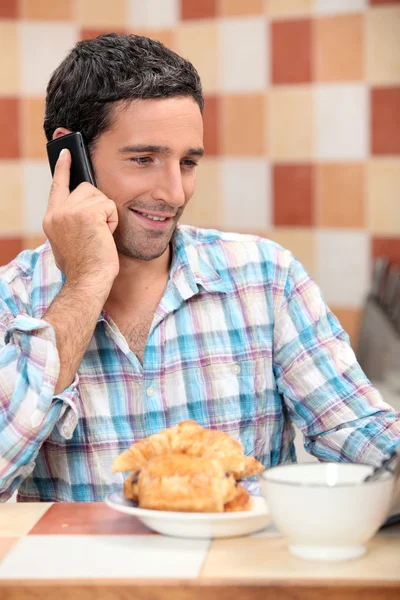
241, 341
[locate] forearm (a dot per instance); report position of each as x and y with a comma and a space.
73, 315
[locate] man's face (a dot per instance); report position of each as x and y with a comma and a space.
146, 164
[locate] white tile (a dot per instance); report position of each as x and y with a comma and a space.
104, 556
43, 47
341, 122
343, 271
246, 184
153, 13
36, 188
243, 56
340, 6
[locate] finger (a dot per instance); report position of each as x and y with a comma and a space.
60, 187
111, 215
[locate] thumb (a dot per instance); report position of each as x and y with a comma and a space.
60, 186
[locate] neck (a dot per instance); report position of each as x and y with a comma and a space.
137, 277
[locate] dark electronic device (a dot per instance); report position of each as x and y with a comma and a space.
81, 166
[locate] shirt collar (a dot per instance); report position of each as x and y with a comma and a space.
191, 270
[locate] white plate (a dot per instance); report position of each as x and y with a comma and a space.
195, 525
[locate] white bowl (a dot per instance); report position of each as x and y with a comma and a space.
325, 509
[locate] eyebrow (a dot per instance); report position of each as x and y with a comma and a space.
142, 148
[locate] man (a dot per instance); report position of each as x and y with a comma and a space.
125, 323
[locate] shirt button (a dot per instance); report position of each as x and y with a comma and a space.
150, 392
236, 369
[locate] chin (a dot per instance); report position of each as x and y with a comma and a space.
141, 253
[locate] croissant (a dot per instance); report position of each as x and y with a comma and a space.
177, 482
241, 502
188, 437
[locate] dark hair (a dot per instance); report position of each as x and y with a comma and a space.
111, 68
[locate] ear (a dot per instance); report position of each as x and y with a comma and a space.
60, 131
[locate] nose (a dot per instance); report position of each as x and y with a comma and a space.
169, 187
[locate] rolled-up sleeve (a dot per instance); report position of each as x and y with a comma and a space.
341, 415
29, 370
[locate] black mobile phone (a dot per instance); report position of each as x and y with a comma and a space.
81, 165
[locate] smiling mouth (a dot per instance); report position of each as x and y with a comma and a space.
152, 218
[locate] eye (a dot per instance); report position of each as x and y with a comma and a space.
141, 160
188, 163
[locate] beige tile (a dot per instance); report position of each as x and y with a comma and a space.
291, 123
34, 139
30, 242
300, 242
286, 8
383, 185
18, 519
205, 208
11, 197
258, 558
198, 42
10, 57
97, 13
47, 9
382, 44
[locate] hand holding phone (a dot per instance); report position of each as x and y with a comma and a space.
79, 226
81, 166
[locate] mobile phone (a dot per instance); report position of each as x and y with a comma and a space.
81, 165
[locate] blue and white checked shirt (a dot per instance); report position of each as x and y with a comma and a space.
241, 341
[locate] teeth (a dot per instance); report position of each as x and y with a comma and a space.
155, 218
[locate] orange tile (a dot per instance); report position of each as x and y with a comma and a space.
340, 195
239, 8
10, 58
389, 247
34, 140
243, 125
385, 103
291, 123
350, 319
212, 121
382, 28
9, 128
342, 61
293, 194
33, 241
101, 13
47, 9
9, 248
291, 51
193, 9
8, 9
89, 34
86, 518
5, 545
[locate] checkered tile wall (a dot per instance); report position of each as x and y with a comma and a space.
302, 122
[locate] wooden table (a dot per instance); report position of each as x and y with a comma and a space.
88, 551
